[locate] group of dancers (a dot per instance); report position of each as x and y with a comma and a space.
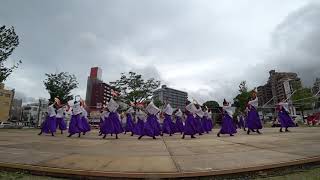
145, 121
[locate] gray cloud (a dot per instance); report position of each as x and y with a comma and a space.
205, 48
295, 46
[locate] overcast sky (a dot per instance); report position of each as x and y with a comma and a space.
205, 47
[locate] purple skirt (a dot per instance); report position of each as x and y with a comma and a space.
227, 126
75, 125
129, 124
190, 125
85, 124
168, 126
101, 123
285, 120
152, 126
138, 128
112, 124
253, 119
206, 124
49, 125
61, 124
199, 125
179, 125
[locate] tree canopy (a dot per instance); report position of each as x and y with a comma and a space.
9, 40
158, 103
60, 85
212, 105
241, 100
133, 88
304, 99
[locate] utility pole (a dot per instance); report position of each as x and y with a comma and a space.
39, 107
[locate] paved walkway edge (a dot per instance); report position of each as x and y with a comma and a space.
61, 172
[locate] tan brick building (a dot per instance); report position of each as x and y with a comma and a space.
6, 97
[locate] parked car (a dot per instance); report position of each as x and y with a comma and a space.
314, 119
9, 125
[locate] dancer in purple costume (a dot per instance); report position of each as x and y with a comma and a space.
75, 125
141, 118
84, 118
210, 120
227, 126
284, 117
60, 119
179, 121
168, 126
205, 120
190, 125
253, 119
103, 115
151, 126
129, 121
112, 124
198, 117
49, 125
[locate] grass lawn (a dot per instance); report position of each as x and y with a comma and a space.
311, 174
4, 175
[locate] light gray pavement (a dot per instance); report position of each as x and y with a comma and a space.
166, 155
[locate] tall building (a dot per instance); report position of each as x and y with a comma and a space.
6, 97
176, 98
279, 86
16, 110
316, 87
98, 92
34, 114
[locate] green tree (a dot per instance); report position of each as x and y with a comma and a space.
158, 103
303, 99
9, 40
241, 100
133, 88
60, 85
212, 105
215, 109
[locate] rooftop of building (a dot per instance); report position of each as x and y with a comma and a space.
165, 87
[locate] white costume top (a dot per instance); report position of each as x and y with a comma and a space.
191, 108
206, 114
200, 113
179, 113
228, 109
84, 112
76, 108
168, 110
105, 114
112, 105
141, 115
152, 109
254, 102
130, 110
60, 112
284, 105
51, 111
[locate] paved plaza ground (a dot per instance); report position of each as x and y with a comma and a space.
165, 157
